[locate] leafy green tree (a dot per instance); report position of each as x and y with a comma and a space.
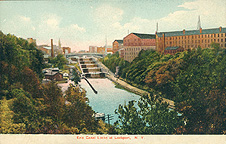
200, 90
7, 125
58, 61
149, 116
78, 113
54, 101
76, 77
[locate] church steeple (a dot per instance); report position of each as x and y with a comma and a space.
59, 44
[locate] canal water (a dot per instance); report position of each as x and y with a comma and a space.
108, 97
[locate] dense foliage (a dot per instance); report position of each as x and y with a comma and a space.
27, 106
194, 80
58, 61
150, 116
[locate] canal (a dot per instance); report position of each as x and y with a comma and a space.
108, 97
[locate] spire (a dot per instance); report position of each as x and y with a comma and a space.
106, 44
157, 27
59, 44
199, 24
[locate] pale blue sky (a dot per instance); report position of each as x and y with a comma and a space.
80, 23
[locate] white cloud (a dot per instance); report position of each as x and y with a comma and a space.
107, 14
77, 28
25, 19
212, 13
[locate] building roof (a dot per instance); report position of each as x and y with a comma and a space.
145, 36
47, 47
172, 48
119, 41
192, 32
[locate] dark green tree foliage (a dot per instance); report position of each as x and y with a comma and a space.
76, 77
78, 113
58, 61
112, 61
200, 91
54, 101
149, 116
15, 55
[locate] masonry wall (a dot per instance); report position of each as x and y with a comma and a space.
190, 41
133, 45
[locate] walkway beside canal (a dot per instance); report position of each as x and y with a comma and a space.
127, 86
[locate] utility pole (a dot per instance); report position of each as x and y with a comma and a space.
109, 117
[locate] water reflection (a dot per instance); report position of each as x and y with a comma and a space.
108, 97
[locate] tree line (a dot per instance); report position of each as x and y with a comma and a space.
193, 79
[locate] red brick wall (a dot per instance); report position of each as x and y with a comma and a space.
133, 40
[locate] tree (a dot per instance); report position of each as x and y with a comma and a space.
200, 92
152, 116
54, 101
78, 113
7, 125
76, 77
58, 61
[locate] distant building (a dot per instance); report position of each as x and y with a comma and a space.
191, 39
92, 49
66, 50
109, 51
82, 51
45, 49
135, 42
31, 40
173, 50
101, 50
116, 45
53, 74
121, 52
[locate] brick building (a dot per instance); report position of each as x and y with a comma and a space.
66, 50
101, 50
173, 50
116, 45
92, 49
121, 52
191, 39
31, 40
135, 42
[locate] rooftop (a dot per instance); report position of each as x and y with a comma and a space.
119, 41
192, 32
172, 48
145, 36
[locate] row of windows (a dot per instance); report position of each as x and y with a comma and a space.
196, 36
196, 45
195, 41
131, 40
132, 53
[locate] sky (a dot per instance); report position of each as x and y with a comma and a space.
83, 23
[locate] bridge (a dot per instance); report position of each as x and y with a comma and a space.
78, 55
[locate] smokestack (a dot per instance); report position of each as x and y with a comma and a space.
52, 52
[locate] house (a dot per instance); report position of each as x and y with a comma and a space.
54, 76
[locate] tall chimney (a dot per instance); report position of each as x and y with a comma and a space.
220, 28
200, 30
52, 52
